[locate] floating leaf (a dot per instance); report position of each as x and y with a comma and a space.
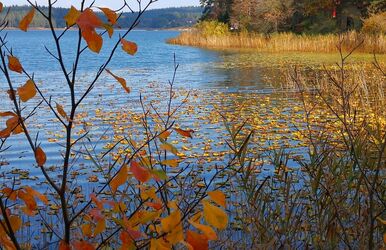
40, 157
119, 179
71, 17
120, 80
140, 173
197, 241
27, 19
14, 64
215, 216
185, 133
110, 14
129, 47
218, 197
171, 162
27, 91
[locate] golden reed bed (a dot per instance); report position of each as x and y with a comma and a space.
283, 42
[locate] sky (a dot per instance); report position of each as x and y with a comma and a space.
110, 3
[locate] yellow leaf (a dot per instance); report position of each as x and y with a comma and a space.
218, 197
159, 244
119, 179
215, 216
129, 47
27, 91
25, 22
172, 163
169, 147
71, 17
14, 64
120, 80
40, 157
207, 230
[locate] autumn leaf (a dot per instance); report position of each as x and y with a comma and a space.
40, 157
88, 21
71, 17
25, 22
171, 162
13, 126
9, 193
93, 39
140, 173
27, 91
110, 14
61, 111
109, 29
169, 147
164, 135
64, 246
207, 230
129, 47
1, 6
36, 194
15, 222
185, 133
215, 216
82, 245
120, 80
14, 64
197, 241
119, 179
218, 197
28, 199
100, 227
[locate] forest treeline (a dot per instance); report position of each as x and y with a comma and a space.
299, 16
152, 19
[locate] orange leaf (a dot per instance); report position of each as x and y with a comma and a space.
100, 227
140, 173
27, 91
120, 80
14, 64
172, 163
164, 135
109, 29
169, 147
28, 199
218, 197
9, 193
36, 194
119, 179
86, 230
88, 20
14, 126
40, 157
93, 39
110, 14
1, 6
82, 245
64, 246
129, 47
25, 22
215, 216
61, 111
15, 222
71, 17
207, 230
185, 133
197, 241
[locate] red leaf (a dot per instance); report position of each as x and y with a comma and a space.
140, 173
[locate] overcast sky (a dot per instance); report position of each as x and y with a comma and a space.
110, 3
